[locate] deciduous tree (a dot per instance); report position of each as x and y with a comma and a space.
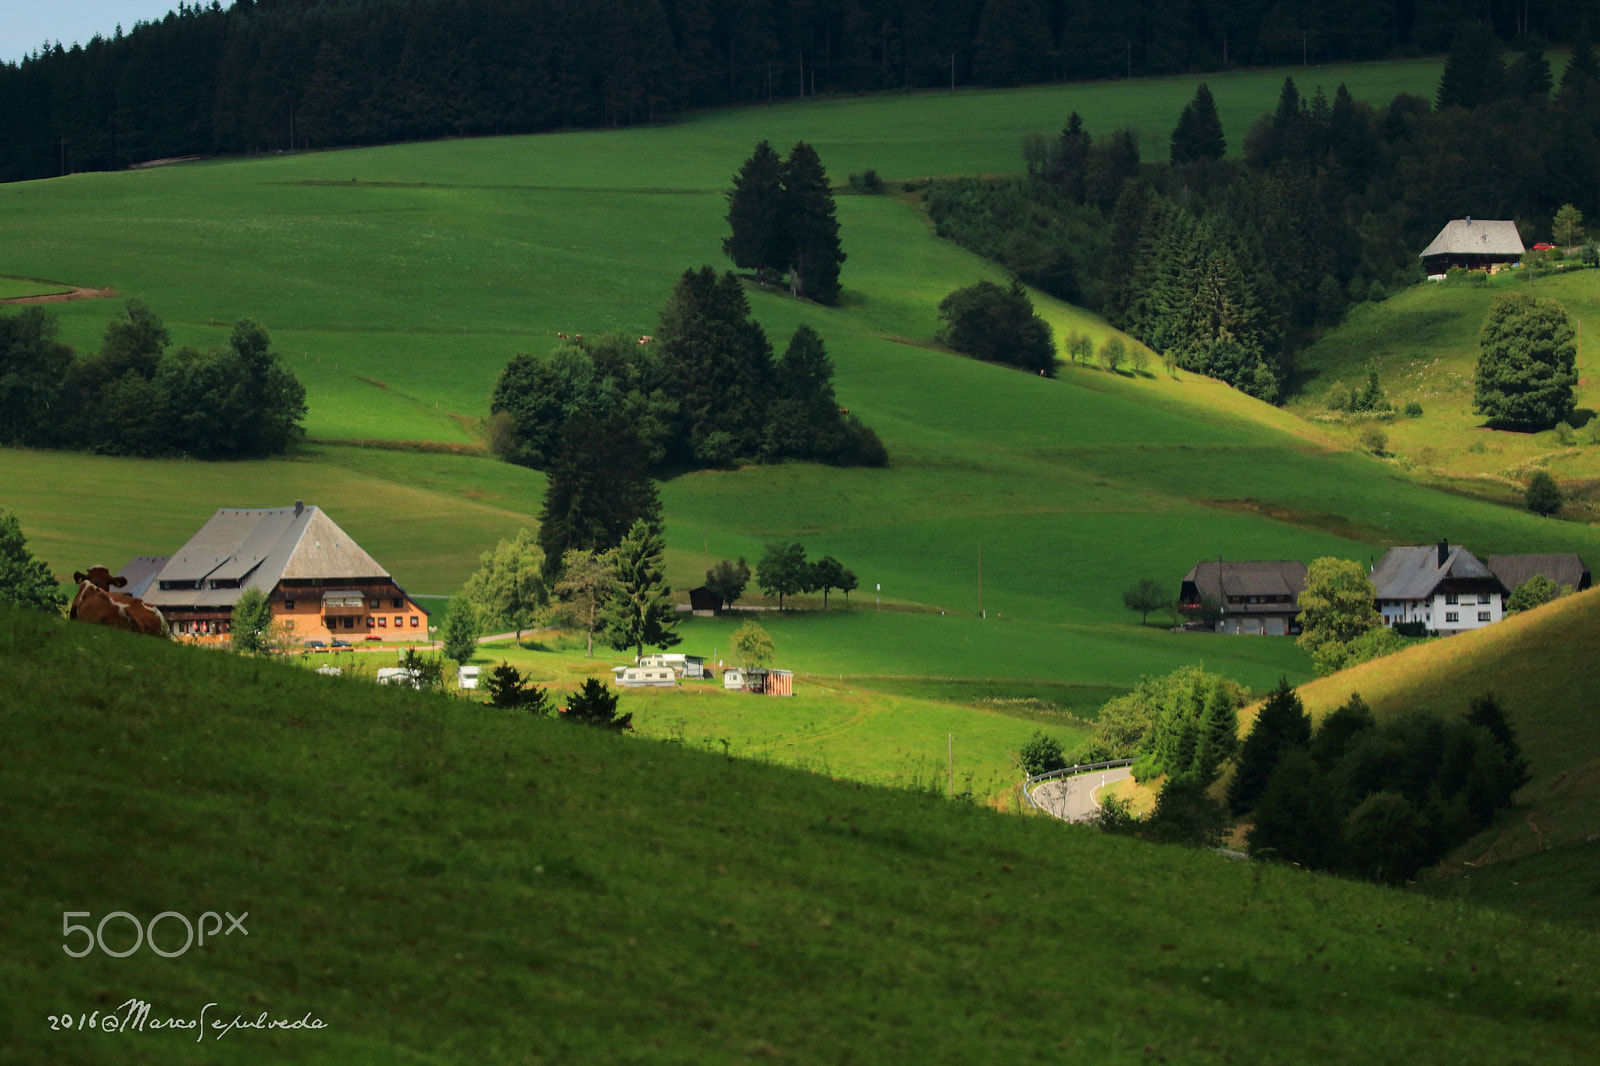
1526, 370
250, 628
1337, 604
783, 570
727, 580
1146, 596
1543, 495
508, 586
588, 581
998, 325
461, 630
24, 580
752, 646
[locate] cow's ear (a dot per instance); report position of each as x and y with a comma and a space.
78, 576
118, 581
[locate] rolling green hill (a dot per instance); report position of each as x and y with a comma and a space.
1424, 344
436, 882
1542, 860
397, 281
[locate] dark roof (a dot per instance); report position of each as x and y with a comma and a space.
1220, 580
140, 571
1564, 568
257, 548
1412, 573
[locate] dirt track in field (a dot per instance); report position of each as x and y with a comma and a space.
78, 293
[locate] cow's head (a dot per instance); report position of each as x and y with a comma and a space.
100, 577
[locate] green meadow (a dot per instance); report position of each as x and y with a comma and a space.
436, 882
397, 282
19, 288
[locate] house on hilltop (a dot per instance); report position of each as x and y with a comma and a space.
320, 583
1473, 245
1260, 598
1444, 587
1564, 568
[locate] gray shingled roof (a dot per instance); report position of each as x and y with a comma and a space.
258, 547
1412, 573
1217, 579
1564, 568
140, 572
1476, 236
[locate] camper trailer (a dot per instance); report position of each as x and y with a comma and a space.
692, 666
733, 679
644, 676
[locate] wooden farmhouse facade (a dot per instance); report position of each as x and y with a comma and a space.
1256, 598
1444, 587
1473, 245
321, 584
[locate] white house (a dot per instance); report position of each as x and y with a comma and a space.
1445, 588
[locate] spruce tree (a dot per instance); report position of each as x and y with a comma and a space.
1280, 726
1219, 729
1529, 75
812, 230
641, 610
1525, 372
719, 363
804, 417
598, 489
1294, 822
1198, 135
756, 216
1072, 156
1473, 74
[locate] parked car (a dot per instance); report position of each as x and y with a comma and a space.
315, 645
342, 643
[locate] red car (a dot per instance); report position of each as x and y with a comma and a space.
1544, 247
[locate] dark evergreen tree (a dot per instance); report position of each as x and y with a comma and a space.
757, 216
1336, 732
1281, 725
1473, 73
1485, 712
596, 705
1543, 496
598, 490
803, 420
1294, 822
719, 364
1529, 75
1386, 839
1013, 43
815, 255
1071, 158
1198, 135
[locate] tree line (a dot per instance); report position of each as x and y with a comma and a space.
266, 75
135, 397
1228, 266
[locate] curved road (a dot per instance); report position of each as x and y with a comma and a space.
1072, 799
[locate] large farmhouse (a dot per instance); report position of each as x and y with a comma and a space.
1472, 245
1445, 588
320, 583
1260, 598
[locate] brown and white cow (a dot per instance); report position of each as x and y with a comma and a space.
97, 604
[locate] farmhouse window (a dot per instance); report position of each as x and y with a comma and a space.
1451, 597
413, 621
397, 603
288, 623
1483, 597
1483, 616
398, 622
382, 622
373, 604
288, 605
1452, 616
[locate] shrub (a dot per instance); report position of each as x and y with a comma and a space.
1543, 496
1413, 409
596, 705
1339, 397
1375, 440
1185, 814
867, 181
507, 689
1115, 816
1537, 591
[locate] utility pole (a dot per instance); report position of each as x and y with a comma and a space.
951, 741
980, 580
952, 72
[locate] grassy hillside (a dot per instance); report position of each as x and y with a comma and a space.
1424, 344
440, 883
398, 281
1540, 663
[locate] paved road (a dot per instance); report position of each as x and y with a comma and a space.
1072, 799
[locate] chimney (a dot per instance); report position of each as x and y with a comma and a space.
1469, 220
300, 505
1444, 551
